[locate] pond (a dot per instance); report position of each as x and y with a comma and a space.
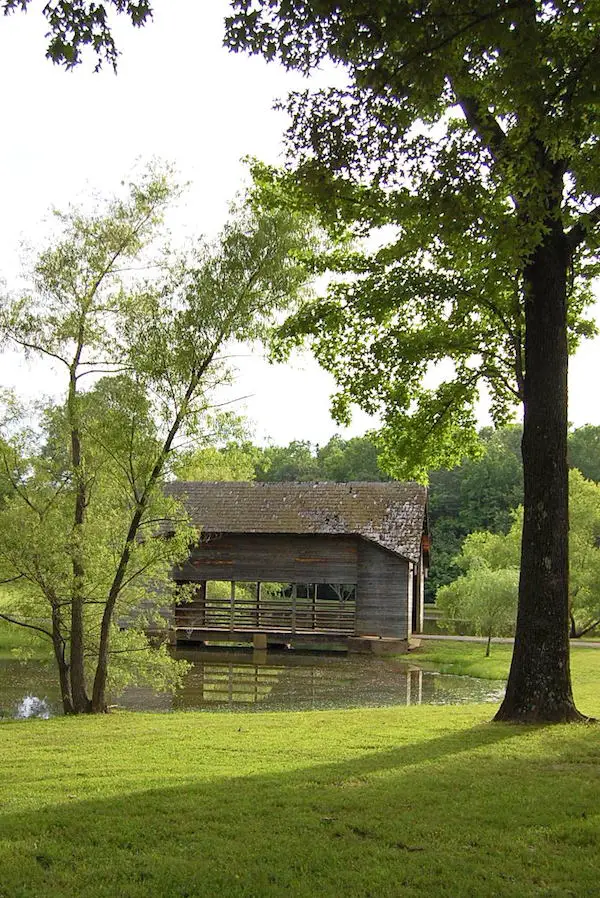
225, 680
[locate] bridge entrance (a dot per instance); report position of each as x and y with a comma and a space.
228, 607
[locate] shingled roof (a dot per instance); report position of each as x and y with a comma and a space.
389, 514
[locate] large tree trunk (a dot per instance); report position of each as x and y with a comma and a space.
539, 683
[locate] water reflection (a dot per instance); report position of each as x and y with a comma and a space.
28, 689
225, 680
288, 681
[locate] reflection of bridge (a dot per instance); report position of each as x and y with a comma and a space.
234, 681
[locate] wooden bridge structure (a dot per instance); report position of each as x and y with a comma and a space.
281, 617
302, 563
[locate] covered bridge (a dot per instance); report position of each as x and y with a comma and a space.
303, 561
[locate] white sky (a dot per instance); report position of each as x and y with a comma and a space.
180, 96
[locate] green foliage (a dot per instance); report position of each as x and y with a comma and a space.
39, 542
338, 460
447, 144
584, 451
24, 644
76, 24
287, 463
87, 537
353, 459
584, 554
490, 561
481, 493
232, 462
486, 598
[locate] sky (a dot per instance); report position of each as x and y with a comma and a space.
179, 96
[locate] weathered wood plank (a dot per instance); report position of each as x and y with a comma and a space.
382, 593
382, 585
273, 557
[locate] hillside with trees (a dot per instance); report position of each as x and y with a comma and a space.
482, 493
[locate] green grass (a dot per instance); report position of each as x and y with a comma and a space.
468, 659
376, 803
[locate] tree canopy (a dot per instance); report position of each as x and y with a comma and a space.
74, 25
470, 131
87, 536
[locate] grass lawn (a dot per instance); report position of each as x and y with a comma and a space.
468, 659
419, 801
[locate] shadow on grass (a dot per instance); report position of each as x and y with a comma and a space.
466, 814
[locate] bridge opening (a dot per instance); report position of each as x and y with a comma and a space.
258, 606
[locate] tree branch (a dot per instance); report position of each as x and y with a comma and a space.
35, 347
20, 623
587, 629
580, 230
483, 122
11, 579
18, 490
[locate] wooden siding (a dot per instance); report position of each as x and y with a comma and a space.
381, 593
382, 579
273, 557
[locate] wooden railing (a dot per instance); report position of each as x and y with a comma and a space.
289, 615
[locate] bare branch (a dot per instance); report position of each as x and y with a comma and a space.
118, 369
35, 347
20, 623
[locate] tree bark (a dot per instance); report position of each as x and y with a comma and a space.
63, 677
81, 702
539, 683
58, 645
573, 631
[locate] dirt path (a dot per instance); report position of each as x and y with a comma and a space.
497, 639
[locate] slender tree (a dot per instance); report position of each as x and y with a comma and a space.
486, 599
80, 532
471, 128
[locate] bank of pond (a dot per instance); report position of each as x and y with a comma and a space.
229, 679
222, 679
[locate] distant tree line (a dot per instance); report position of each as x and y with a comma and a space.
484, 593
480, 494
